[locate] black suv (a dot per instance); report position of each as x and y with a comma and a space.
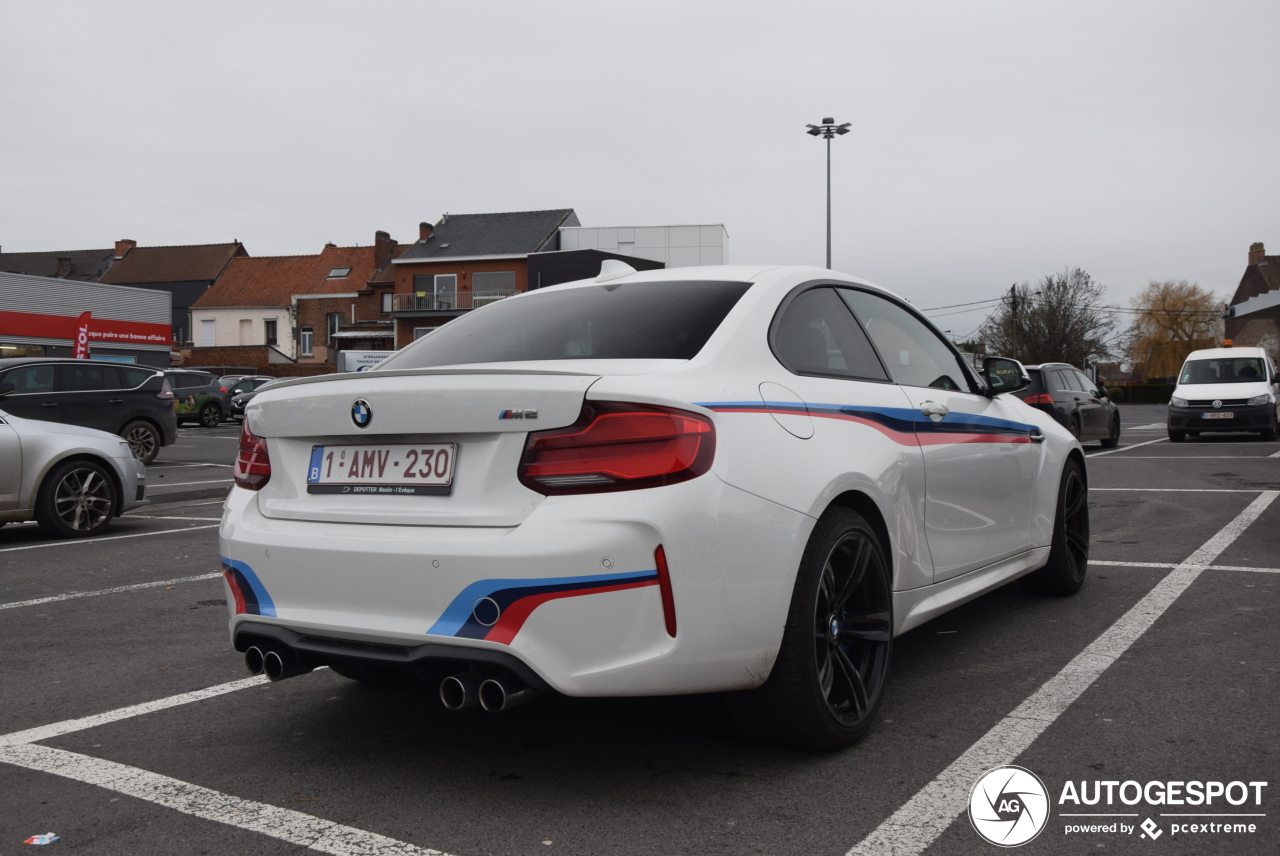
241, 389
200, 397
132, 401
1073, 399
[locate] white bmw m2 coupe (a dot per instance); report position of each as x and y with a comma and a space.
725, 479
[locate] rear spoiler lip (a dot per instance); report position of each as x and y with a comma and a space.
444, 370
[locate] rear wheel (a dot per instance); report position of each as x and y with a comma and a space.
828, 680
143, 439
1069, 554
210, 415
1113, 439
77, 499
1074, 427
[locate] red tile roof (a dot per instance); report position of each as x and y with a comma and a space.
273, 280
193, 263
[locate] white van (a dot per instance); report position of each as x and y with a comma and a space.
1225, 389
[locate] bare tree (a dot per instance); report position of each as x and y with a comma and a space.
1061, 320
1175, 318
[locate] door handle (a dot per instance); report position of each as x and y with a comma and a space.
934, 410
116, 401
1037, 437
50, 404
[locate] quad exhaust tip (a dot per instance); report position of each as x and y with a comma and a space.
503, 693
492, 689
253, 660
276, 665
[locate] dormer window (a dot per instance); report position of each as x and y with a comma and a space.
339, 273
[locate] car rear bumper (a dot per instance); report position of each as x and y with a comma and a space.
1256, 418
577, 593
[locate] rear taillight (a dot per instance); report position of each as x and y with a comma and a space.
164, 392
222, 389
1039, 399
253, 467
617, 446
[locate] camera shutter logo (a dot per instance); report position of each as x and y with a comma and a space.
361, 413
1009, 806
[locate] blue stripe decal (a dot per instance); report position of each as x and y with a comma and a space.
458, 613
256, 589
901, 419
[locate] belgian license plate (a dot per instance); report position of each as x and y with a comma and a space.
399, 469
1217, 416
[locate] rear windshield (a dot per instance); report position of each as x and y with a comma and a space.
1224, 370
629, 321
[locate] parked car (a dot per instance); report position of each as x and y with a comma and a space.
728, 479
1071, 397
200, 397
1225, 389
241, 390
134, 402
72, 480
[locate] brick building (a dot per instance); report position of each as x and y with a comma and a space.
1255, 321
302, 309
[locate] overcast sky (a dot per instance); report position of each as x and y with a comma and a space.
992, 143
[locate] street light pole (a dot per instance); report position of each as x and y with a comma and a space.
827, 130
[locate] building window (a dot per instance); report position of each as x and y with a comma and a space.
502, 282
339, 273
208, 332
388, 302
419, 332
305, 337
269, 331
335, 321
436, 291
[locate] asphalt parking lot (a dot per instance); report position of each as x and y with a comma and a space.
127, 725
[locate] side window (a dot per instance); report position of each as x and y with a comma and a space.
1062, 381
817, 335
84, 378
29, 379
913, 354
1086, 385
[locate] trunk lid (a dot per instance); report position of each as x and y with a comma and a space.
487, 413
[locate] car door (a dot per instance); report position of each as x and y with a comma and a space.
1096, 414
83, 394
35, 394
10, 466
839, 397
980, 455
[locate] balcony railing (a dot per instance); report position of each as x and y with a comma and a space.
448, 300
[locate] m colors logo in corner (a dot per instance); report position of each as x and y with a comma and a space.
1009, 806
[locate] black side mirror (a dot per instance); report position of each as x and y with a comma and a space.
1004, 375
6, 388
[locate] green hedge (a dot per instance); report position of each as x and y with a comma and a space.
1118, 394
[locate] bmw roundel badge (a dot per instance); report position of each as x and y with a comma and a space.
361, 413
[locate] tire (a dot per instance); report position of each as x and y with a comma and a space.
1068, 561
210, 415
77, 499
1074, 427
1177, 436
828, 680
1269, 435
1113, 439
144, 439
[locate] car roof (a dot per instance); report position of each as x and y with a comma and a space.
1219, 353
11, 362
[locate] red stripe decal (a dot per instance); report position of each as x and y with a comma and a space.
235, 591
942, 439
514, 616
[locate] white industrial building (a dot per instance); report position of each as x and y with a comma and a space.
674, 246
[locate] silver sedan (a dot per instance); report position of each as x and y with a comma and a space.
71, 480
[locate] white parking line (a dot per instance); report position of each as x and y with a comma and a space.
1125, 448
135, 587
1171, 565
1276, 455
74, 541
927, 815
1179, 489
1196, 458
324, 836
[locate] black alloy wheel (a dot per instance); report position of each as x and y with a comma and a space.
1074, 427
828, 680
210, 415
1113, 439
143, 439
77, 499
1069, 553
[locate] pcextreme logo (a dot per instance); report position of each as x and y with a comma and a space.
1009, 806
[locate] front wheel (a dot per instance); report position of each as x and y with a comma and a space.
829, 677
1269, 435
1113, 439
77, 499
210, 415
1177, 436
1069, 550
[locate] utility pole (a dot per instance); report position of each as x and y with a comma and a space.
1013, 303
